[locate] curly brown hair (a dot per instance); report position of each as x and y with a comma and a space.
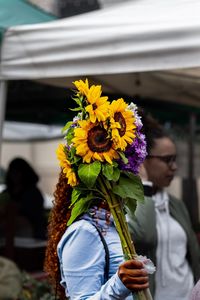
59, 215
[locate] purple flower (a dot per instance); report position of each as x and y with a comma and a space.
136, 152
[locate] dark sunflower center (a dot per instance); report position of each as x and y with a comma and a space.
98, 140
119, 118
94, 106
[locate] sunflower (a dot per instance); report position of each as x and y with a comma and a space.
98, 106
82, 87
122, 124
92, 143
66, 166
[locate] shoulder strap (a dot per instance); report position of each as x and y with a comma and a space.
107, 258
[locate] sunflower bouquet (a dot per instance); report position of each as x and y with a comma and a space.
101, 157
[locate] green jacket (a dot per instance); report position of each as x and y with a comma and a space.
142, 226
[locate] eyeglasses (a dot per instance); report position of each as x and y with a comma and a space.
168, 159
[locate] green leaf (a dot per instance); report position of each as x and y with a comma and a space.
78, 97
116, 174
123, 157
72, 151
88, 173
76, 159
107, 171
110, 172
80, 207
69, 135
96, 192
78, 100
129, 188
66, 127
115, 164
76, 109
131, 204
73, 158
75, 196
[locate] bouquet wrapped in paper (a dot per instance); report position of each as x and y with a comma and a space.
101, 157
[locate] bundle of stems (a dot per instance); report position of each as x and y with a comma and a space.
117, 211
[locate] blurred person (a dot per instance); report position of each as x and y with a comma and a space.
10, 279
25, 198
161, 228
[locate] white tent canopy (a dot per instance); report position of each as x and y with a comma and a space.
137, 36
145, 47
22, 131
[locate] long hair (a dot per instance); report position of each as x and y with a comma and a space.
59, 216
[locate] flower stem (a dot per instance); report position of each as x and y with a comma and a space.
116, 209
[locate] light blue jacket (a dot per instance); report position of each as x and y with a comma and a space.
82, 260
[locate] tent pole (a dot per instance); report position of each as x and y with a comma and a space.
3, 94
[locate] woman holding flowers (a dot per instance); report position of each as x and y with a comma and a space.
90, 254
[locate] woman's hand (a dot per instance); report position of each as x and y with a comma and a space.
133, 275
